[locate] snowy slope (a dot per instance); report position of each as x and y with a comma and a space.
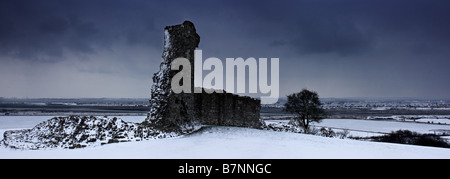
365, 128
80, 131
234, 142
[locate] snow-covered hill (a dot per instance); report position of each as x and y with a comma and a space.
79, 131
234, 142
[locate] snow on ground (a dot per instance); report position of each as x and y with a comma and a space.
367, 128
13, 122
235, 142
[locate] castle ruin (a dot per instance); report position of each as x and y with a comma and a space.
182, 112
170, 115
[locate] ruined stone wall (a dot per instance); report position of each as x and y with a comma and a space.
227, 109
183, 112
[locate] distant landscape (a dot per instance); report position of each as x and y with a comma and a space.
353, 108
73, 106
350, 118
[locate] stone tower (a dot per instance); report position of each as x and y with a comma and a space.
185, 112
170, 111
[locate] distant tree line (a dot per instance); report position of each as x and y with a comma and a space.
414, 138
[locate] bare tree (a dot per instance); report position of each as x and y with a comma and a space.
306, 107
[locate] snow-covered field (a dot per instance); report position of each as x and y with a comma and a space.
14, 122
232, 142
367, 128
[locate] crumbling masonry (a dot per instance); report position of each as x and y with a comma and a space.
183, 112
170, 115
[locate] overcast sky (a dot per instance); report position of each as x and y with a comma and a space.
339, 48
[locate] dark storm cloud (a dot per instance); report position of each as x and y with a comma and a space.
355, 27
44, 30
371, 46
316, 27
38, 30
148, 34
335, 37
